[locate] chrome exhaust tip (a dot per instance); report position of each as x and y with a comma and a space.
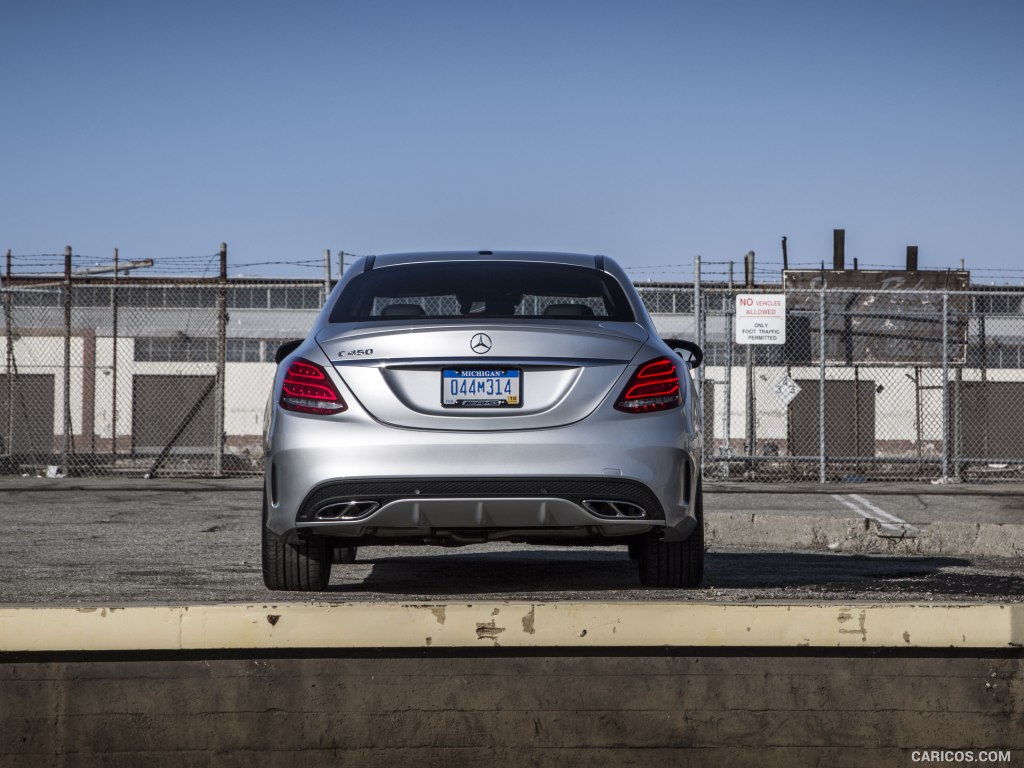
347, 510
614, 509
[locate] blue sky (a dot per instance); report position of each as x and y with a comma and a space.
649, 131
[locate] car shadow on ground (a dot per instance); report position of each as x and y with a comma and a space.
601, 573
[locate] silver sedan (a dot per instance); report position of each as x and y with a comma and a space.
466, 397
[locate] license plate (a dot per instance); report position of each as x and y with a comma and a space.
481, 388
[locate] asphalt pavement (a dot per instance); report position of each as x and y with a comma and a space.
111, 541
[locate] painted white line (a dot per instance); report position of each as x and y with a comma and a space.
850, 505
880, 512
887, 523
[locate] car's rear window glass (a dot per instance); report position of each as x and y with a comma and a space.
474, 289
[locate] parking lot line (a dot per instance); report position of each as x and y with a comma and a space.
888, 523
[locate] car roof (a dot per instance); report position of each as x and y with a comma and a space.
575, 259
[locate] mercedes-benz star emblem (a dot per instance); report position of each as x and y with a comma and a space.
481, 343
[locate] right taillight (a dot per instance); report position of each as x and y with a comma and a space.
307, 389
654, 386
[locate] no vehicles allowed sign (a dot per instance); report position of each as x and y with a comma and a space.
761, 318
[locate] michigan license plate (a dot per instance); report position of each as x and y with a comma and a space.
481, 387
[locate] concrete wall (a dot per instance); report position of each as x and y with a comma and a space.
645, 707
508, 683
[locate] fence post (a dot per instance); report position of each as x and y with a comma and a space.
222, 343
66, 453
748, 270
730, 343
699, 338
821, 384
9, 324
918, 427
327, 274
113, 383
945, 387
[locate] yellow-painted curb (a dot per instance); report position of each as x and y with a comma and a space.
510, 624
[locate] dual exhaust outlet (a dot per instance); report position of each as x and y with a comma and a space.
615, 509
358, 509
347, 510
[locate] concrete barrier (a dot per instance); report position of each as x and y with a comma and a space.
820, 534
278, 626
518, 684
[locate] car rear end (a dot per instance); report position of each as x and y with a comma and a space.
471, 397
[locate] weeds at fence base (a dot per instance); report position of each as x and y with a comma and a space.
758, 470
91, 465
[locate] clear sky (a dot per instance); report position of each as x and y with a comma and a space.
649, 131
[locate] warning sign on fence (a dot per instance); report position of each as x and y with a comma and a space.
761, 318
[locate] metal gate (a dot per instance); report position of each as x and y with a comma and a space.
173, 414
27, 426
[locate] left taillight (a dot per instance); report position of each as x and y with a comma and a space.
654, 386
307, 389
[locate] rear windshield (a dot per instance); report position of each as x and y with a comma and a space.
479, 289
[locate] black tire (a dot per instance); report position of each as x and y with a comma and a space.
678, 564
344, 554
300, 566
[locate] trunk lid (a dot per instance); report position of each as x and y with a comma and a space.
560, 371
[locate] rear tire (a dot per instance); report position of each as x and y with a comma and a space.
678, 564
303, 565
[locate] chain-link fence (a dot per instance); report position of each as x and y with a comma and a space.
149, 377
155, 378
868, 384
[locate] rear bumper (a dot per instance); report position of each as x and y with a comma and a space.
532, 484
542, 507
